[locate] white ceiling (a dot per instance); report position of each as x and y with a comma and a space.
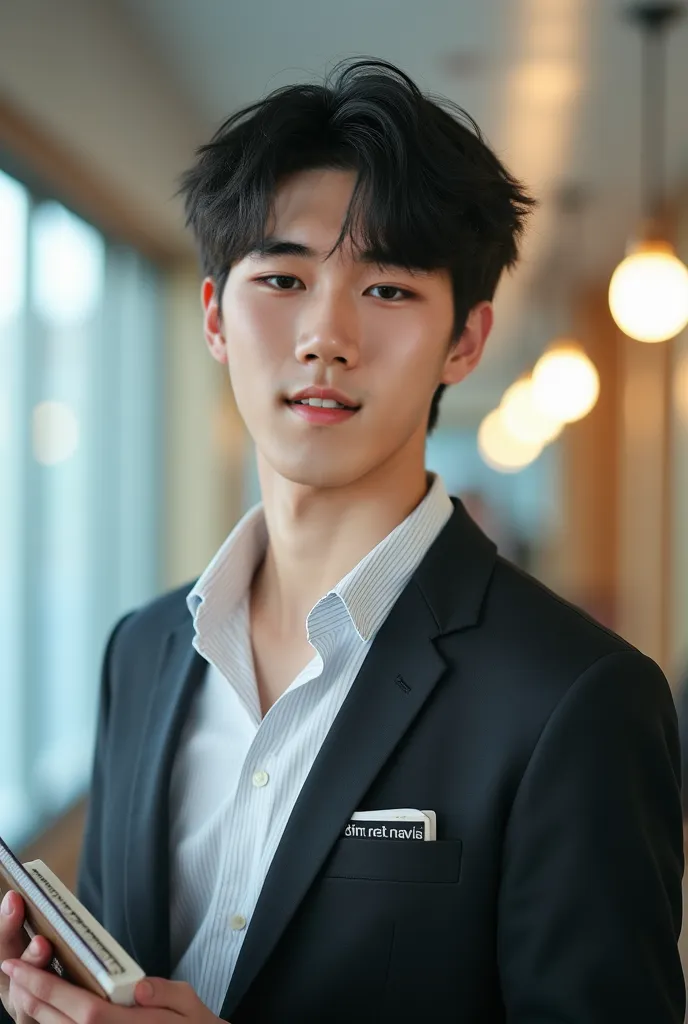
555, 85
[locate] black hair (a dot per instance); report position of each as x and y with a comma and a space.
429, 192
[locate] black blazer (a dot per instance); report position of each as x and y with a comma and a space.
546, 745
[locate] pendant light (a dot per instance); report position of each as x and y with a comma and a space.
565, 381
648, 292
500, 449
524, 418
565, 384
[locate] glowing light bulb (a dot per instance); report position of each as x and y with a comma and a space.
565, 382
500, 449
648, 293
524, 418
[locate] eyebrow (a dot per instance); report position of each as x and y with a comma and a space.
282, 247
273, 246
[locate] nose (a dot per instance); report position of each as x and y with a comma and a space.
329, 331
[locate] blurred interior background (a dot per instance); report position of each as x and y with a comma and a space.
123, 463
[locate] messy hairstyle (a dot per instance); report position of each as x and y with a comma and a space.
429, 192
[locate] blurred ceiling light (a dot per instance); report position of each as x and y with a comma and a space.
55, 433
500, 450
524, 418
565, 382
648, 292
545, 82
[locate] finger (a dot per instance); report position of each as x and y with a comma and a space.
29, 1007
177, 996
38, 953
74, 1004
13, 938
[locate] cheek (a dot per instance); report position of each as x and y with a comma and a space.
412, 355
258, 336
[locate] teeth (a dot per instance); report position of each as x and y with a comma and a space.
324, 403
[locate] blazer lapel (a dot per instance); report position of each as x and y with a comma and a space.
147, 887
397, 677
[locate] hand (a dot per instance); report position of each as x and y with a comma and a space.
51, 1000
14, 943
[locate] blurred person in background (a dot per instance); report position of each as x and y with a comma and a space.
357, 644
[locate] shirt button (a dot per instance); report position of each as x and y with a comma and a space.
260, 779
238, 923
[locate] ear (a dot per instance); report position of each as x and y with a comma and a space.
465, 355
212, 321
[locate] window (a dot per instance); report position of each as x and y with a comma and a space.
80, 456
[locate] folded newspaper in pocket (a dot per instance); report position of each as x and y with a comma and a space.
84, 952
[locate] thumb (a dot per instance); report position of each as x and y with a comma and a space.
167, 995
13, 938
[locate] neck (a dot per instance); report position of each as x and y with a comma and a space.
316, 536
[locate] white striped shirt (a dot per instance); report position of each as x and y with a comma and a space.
236, 775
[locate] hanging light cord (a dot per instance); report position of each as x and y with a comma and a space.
654, 20
570, 201
653, 118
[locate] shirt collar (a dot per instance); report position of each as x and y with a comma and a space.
367, 592
373, 586
227, 579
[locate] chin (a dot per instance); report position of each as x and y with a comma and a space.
317, 473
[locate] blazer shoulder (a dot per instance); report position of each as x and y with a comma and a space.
534, 605
156, 618
532, 649
534, 645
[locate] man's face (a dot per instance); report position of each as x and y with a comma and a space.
295, 318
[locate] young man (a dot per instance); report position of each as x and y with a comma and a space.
357, 644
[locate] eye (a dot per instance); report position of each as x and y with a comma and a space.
390, 292
282, 282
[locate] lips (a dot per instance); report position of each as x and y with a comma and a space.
327, 398
321, 415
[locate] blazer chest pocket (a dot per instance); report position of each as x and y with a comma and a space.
378, 860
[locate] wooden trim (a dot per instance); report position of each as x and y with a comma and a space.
81, 188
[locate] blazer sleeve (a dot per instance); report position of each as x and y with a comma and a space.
90, 881
590, 898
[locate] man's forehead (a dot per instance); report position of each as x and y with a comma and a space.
275, 246
309, 218
316, 197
